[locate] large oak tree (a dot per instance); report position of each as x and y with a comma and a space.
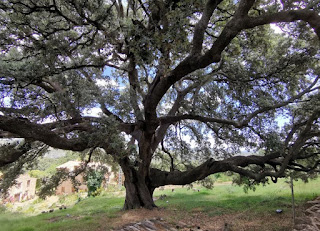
185, 84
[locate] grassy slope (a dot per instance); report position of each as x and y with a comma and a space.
82, 216
100, 212
230, 198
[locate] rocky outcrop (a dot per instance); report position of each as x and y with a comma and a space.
157, 224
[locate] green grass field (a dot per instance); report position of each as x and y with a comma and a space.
231, 198
100, 213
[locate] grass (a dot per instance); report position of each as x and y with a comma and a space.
101, 212
81, 216
233, 198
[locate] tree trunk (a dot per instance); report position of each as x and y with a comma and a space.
138, 189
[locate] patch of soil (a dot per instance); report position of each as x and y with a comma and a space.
310, 219
141, 214
165, 219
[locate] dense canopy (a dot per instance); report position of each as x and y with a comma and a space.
173, 90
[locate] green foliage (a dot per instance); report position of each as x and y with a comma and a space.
222, 177
31, 152
247, 183
37, 173
207, 182
46, 166
94, 180
49, 184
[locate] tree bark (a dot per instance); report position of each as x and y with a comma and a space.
138, 188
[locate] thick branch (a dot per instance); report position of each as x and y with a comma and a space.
161, 131
26, 129
309, 16
174, 119
134, 88
202, 25
11, 156
160, 178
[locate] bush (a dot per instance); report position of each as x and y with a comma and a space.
94, 181
97, 192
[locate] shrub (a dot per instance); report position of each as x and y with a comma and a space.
94, 181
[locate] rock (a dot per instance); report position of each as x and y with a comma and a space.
133, 228
162, 225
149, 225
155, 224
182, 224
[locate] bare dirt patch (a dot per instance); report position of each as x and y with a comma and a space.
197, 220
310, 219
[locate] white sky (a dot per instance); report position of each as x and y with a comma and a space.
276, 28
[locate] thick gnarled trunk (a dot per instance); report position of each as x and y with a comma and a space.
138, 195
138, 189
